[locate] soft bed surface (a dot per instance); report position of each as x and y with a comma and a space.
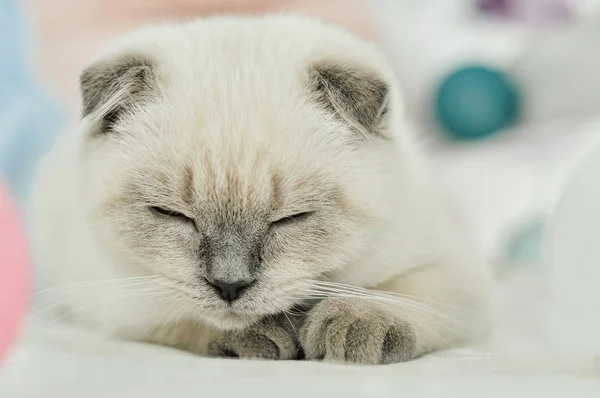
56, 361
49, 373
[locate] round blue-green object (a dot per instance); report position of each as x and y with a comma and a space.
475, 102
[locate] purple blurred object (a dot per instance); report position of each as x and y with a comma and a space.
529, 11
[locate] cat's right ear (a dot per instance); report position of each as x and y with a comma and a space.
111, 88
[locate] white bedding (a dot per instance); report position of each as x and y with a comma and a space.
48, 373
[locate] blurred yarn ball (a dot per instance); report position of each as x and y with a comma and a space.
476, 101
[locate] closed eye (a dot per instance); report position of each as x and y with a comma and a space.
162, 212
294, 218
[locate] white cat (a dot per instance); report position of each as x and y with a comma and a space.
239, 185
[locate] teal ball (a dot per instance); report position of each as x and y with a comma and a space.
475, 102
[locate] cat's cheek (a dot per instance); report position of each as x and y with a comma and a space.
300, 247
284, 243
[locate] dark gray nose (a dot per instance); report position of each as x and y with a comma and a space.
230, 291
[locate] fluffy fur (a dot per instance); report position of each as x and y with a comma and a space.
269, 151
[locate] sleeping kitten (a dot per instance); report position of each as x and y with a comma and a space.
250, 187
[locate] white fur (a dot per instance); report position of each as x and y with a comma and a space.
200, 66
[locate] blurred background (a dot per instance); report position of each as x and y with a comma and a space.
504, 93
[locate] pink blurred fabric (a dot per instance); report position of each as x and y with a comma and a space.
70, 32
14, 273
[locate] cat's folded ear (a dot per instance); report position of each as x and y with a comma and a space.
357, 96
110, 88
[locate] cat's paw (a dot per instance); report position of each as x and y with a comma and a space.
356, 331
267, 340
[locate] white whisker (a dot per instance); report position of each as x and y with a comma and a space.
330, 289
391, 294
128, 295
72, 297
107, 282
290, 321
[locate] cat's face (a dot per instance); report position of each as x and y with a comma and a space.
267, 216
237, 196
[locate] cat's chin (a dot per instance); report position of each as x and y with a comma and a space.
230, 320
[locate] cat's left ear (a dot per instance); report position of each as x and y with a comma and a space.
358, 96
111, 87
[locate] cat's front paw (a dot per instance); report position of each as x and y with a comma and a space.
266, 340
356, 331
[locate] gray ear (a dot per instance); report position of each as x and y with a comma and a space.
109, 88
358, 96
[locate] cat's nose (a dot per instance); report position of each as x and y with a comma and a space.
230, 291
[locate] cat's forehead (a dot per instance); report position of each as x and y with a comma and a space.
260, 178
220, 179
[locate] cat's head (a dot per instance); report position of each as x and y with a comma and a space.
238, 158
